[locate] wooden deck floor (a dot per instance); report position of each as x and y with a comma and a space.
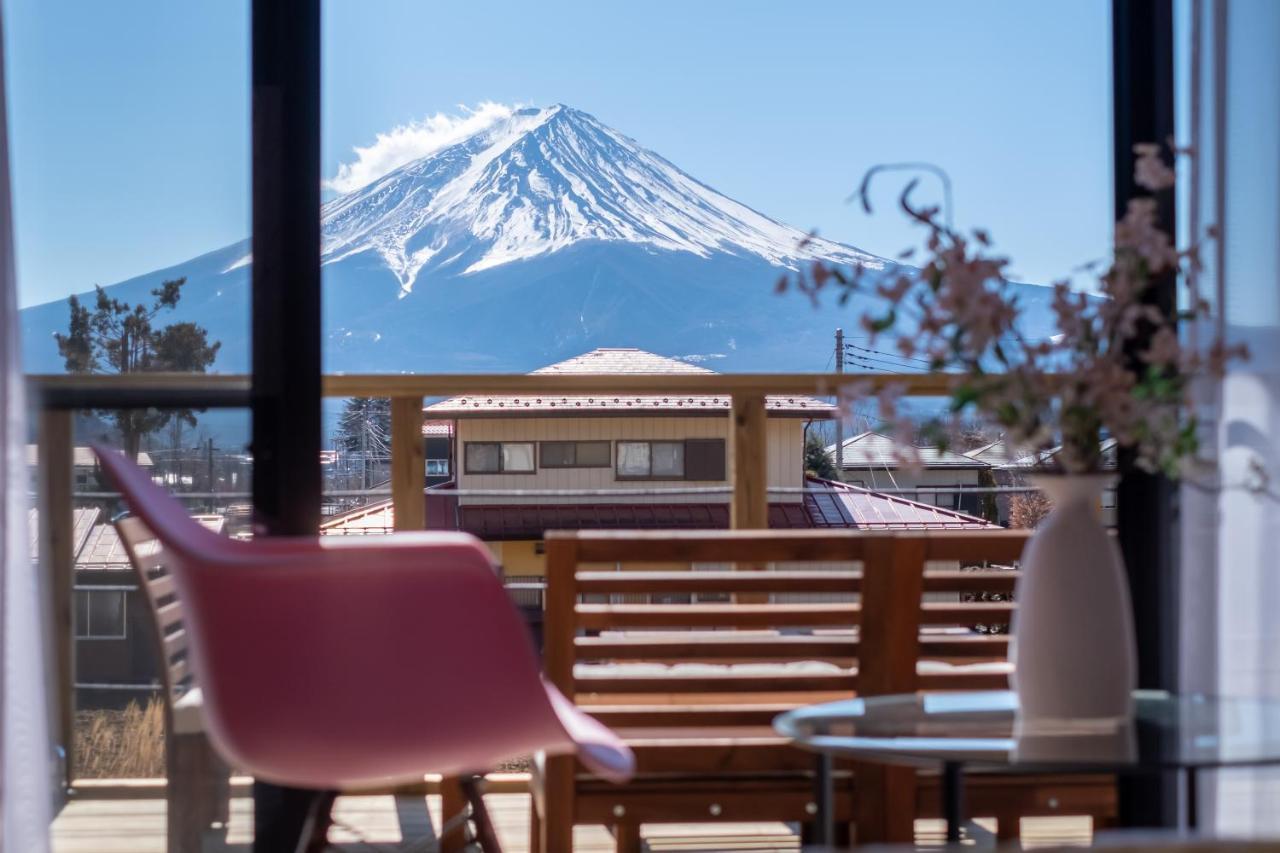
385, 823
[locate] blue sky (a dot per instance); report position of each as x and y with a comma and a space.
131, 141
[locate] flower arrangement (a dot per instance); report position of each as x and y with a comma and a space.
1116, 365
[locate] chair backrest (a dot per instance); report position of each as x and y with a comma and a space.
638, 638
342, 663
146, 554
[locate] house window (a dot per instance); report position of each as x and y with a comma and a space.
694, 459
100, 614
437, 467
573, 454
492, 457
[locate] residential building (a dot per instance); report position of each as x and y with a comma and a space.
84, 465
526, 464
872, 460
115, 647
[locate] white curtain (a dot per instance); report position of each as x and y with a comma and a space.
25, 766
1231, 516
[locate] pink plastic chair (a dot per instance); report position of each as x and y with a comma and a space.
338, 662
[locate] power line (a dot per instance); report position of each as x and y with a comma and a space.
866, 361
891, 354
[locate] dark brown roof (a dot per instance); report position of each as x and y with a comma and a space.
827, 505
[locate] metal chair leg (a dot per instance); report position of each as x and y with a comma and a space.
486, 837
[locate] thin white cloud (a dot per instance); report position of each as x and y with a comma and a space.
409, 142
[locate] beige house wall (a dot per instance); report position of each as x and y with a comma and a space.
785, 441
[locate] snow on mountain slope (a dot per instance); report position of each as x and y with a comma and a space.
538, 182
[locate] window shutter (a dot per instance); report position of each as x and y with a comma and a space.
704, 459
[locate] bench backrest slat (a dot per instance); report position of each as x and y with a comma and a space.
657, 642
148, 560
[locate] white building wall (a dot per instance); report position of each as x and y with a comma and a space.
882, 478
785, 441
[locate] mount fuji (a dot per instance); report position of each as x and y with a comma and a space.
538, 237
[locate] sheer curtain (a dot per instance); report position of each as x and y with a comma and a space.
25, 770
1231, 515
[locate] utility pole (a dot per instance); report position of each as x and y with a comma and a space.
212, 486
839, 460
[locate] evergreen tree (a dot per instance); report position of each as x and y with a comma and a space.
817, 462
115, 337
365, 428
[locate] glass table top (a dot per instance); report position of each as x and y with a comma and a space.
984, 728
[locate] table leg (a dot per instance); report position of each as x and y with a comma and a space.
824, 794
953, 799
1193, 800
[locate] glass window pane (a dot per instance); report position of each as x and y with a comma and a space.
106, 613
482, 458
633, 459
593, 454
517, 458
668, 459
81, 613
557, 454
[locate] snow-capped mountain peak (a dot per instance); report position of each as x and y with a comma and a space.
537, 182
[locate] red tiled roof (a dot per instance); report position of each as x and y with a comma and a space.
833, 505
616, 361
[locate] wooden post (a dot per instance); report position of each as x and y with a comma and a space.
557, 796
892, 586
57, 543
408, 463
748, 452
749, 507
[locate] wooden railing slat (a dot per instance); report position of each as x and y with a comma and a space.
603, 616
710, 646
966, 613
711, 684
720, 546
690, 581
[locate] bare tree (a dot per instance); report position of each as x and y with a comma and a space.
1028, 509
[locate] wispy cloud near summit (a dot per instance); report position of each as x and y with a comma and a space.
408, 142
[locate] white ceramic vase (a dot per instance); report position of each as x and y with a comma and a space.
1073, 648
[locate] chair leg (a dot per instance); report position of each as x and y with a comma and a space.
535, 827
626, 837
315, 832
486, 837
558, 795
453, 836
193, 791
1008, 827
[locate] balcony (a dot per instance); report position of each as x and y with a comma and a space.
133, 809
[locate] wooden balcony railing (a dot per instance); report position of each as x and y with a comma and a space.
59, 396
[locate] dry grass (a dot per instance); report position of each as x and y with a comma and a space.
126, 744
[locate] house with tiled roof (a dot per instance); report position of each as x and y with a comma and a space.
872, 460
527, 464
115, 653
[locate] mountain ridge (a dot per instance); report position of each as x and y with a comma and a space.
538, 237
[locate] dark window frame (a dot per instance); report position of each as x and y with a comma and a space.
617, 459
466, 461
84, 629
542, 463
684, 476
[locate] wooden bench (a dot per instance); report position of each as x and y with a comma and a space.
694, 682
198, 780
